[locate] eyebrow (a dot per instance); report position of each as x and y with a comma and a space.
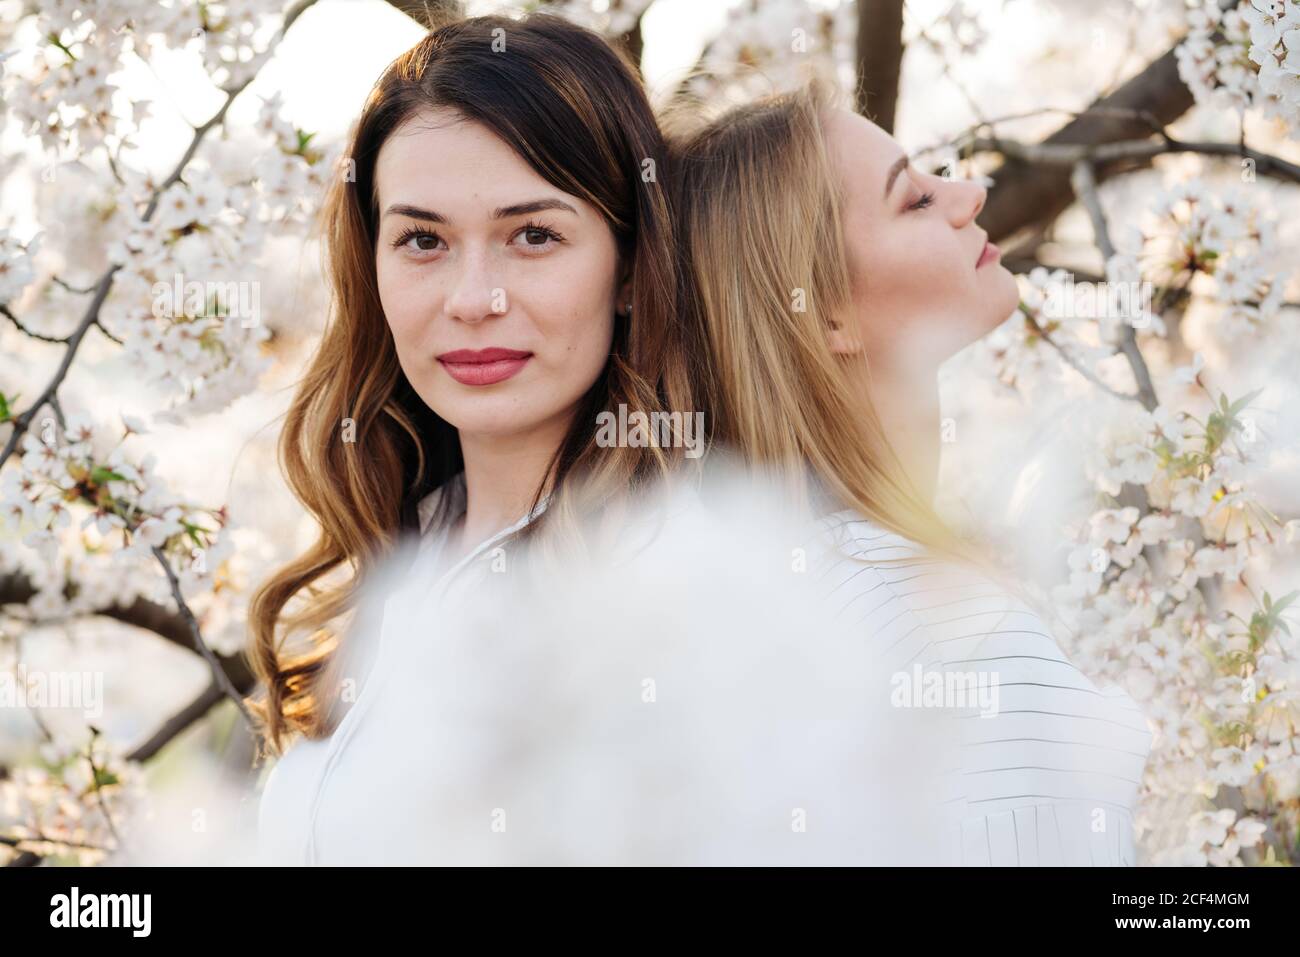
501, 212
900, 164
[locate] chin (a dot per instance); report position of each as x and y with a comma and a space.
481, 414
1005, 300
487, 420
507, 414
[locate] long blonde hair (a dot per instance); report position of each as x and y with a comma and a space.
574, 109
765, 278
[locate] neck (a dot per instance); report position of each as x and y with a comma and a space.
502, 475
907, 402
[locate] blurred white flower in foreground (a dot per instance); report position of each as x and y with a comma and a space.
682, 699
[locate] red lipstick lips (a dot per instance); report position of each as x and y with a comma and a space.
483, 366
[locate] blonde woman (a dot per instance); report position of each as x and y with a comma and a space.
830, 278
502, 273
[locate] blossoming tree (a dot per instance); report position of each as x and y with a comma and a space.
1144, 334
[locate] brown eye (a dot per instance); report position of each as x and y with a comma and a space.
536, 237
425, 241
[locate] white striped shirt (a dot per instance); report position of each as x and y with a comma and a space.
1052, 777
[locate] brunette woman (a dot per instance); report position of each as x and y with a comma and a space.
500, 257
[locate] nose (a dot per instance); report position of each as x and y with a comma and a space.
969, 197
473, 294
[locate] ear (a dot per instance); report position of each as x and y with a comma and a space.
843, 339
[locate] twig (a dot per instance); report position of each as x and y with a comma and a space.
972, 133
1073, 364
4, 310
196, 635
42, 839
1071, 154
100, 326
99, 791
218, 117
71, 288
1085, 187
22, 422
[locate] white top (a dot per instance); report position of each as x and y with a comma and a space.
1052, 777
297, 808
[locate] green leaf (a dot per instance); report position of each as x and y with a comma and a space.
1216, 430
1285, 600
102, 474
1244, 401
193, 532
103, 778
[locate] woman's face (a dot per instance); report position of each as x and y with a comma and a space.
913, 247
499, 288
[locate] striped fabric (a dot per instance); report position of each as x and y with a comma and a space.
1051, 777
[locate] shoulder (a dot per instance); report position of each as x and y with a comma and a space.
928, 613
886, 582
931, 610
286, 793
852, 535
1046, 751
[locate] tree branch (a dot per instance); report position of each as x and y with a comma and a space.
4, 311
1068, 155
179, 722
1025, 193
1070, 361
196, 637
105, 282
879, 47
146, 615
1085, 185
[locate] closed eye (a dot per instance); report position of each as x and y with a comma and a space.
925, 200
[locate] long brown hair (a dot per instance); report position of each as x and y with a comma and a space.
574, 109
765, 279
